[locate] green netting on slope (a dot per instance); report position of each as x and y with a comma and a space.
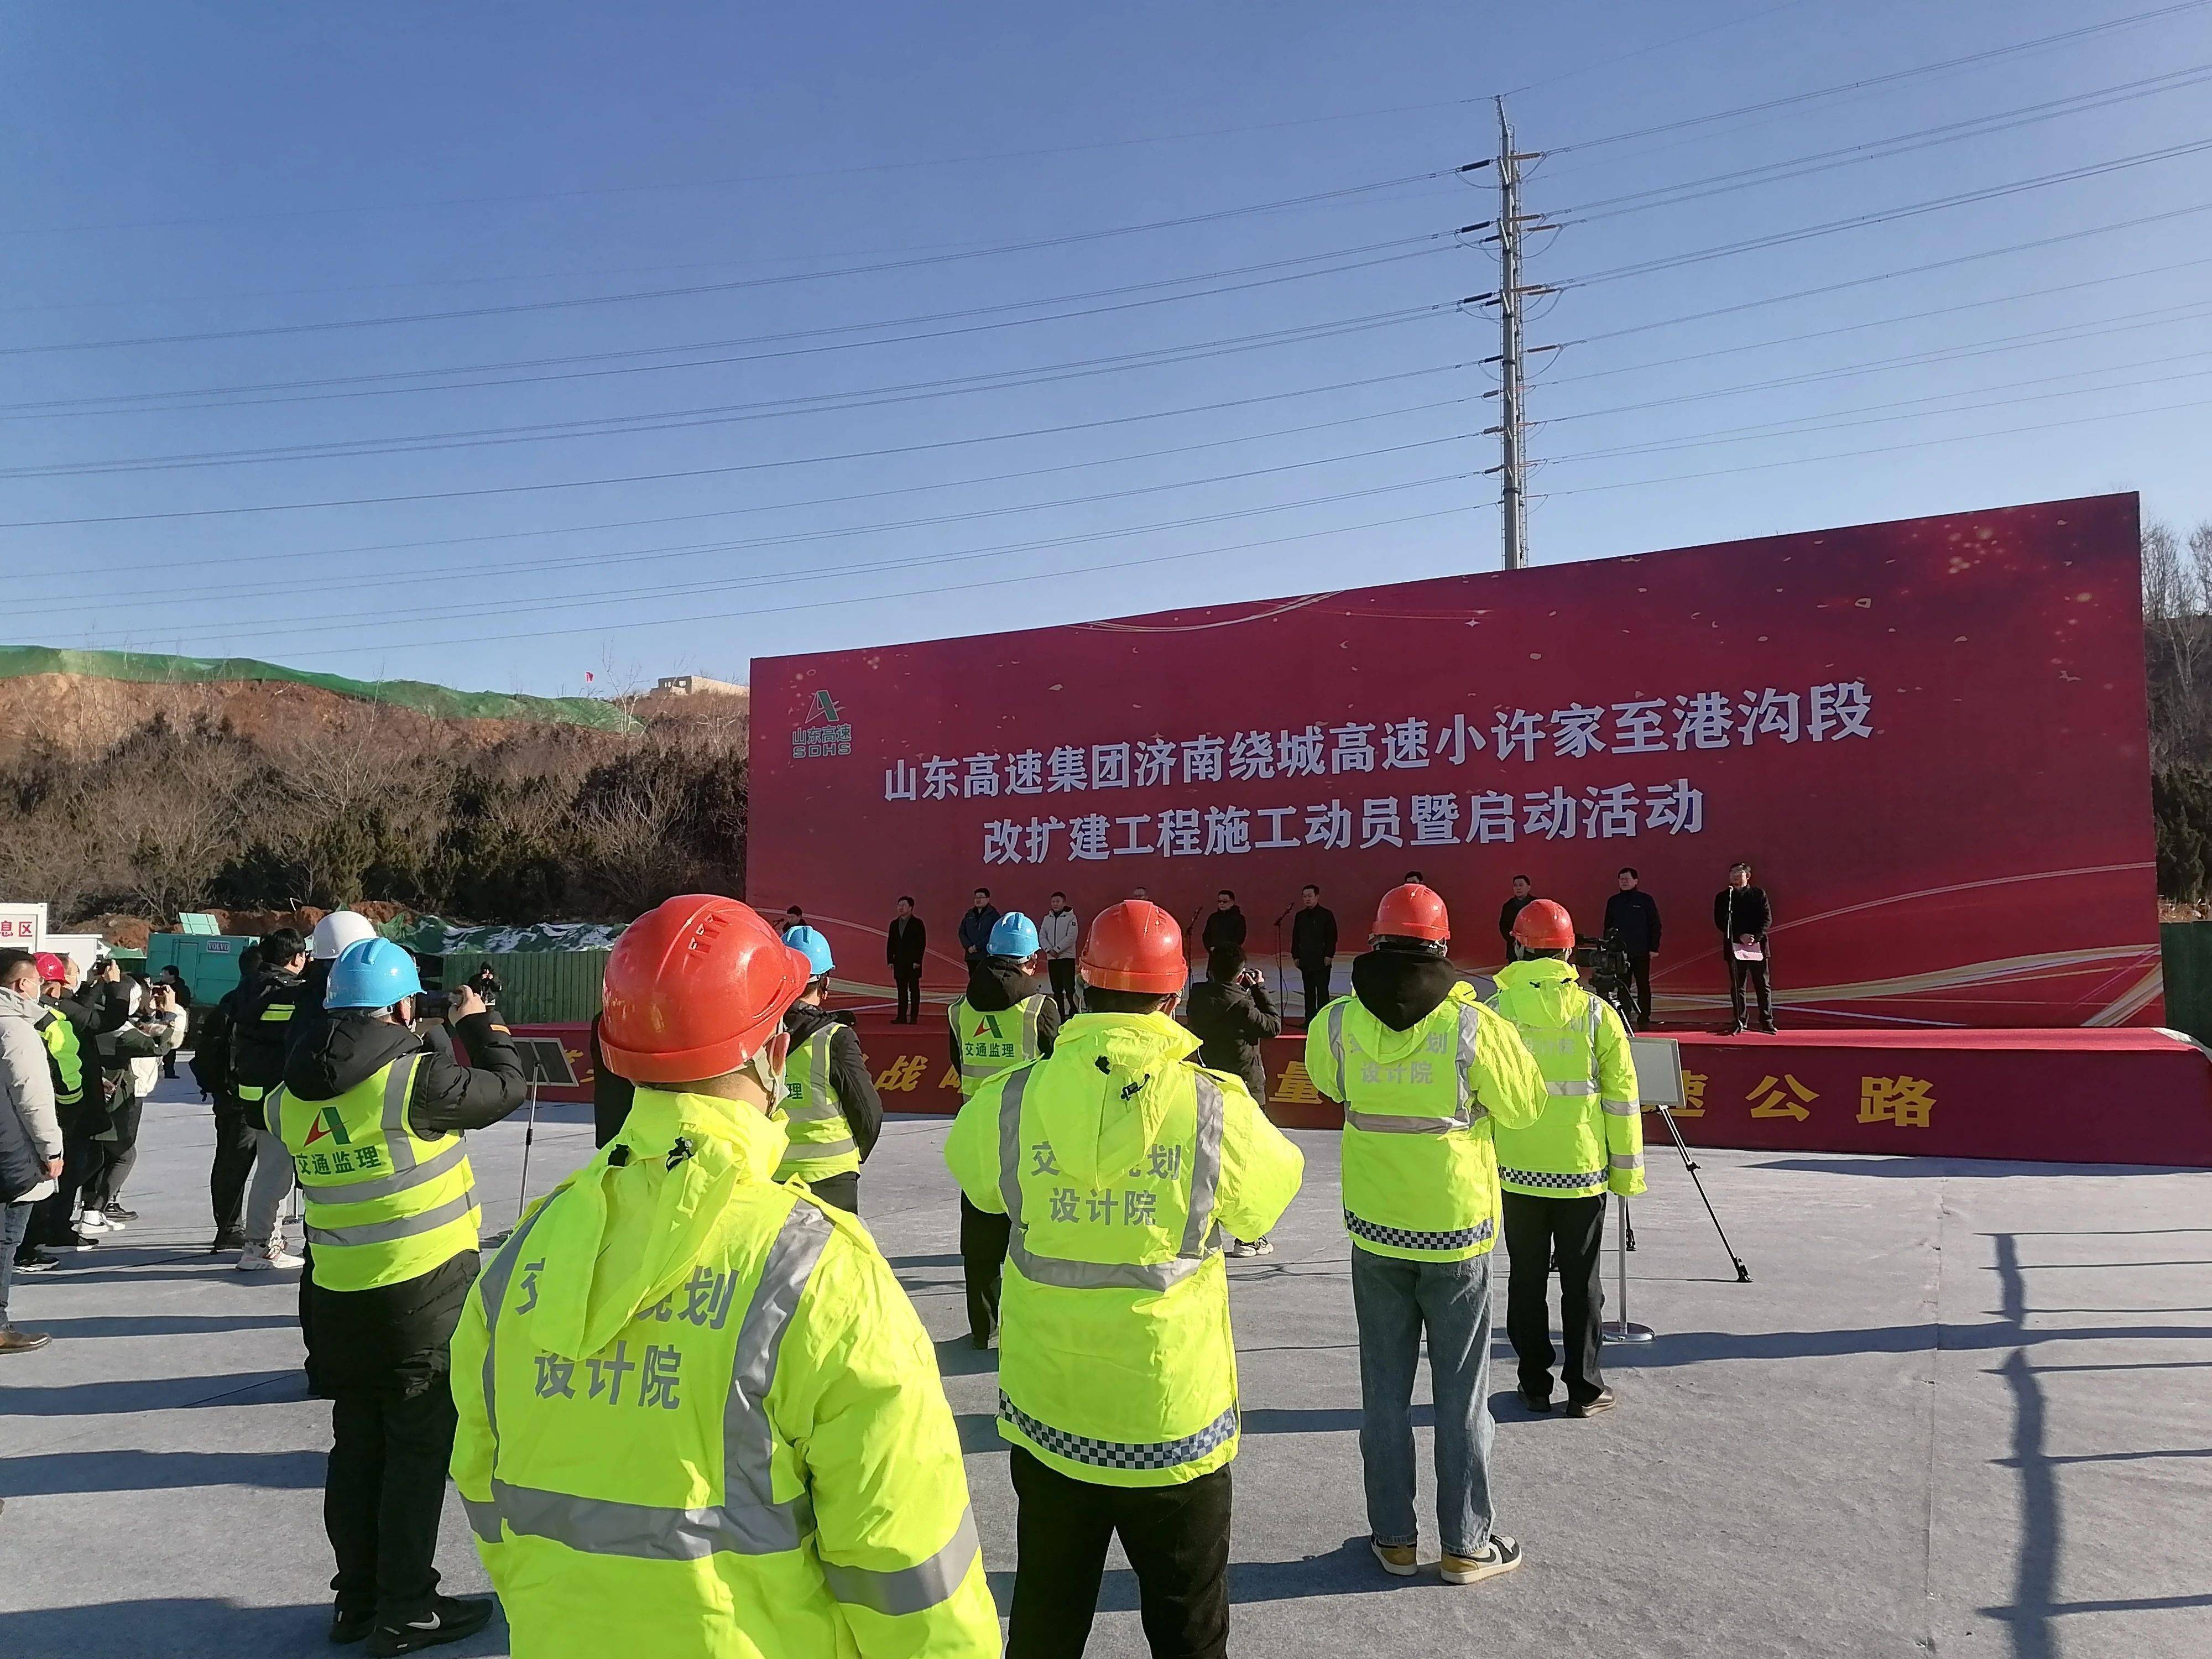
439, 701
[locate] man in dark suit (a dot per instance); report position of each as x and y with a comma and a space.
1743, 915
904, 946
1632, 915
1313, 947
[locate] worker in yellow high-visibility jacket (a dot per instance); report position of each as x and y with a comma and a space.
1120, 1164
698, 1414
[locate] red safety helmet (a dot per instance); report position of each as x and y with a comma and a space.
1412, 912
1545, 925
1134, 946
694, 989
52, 971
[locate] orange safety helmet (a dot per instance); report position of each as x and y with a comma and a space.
1412, 912
1545, 925
694, 989
1134, 946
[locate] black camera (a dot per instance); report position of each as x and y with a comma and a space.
1606, 961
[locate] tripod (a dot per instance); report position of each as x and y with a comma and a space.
1623, 1329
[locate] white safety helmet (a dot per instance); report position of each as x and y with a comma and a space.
337, 930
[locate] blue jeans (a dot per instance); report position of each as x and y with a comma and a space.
15, 1222
1396, 1302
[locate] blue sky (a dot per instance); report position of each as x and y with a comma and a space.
926, 375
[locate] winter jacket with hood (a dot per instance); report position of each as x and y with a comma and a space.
1592, 1124
258, 1044
665, 1238
1113, 1112
398, 1332
30, 1130
1231, 1021
996, 982
848, 1072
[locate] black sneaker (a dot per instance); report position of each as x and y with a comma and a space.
117, 1213
78, 1242
230, 1242
1606, 1402
33, 1259
347, 1628
451, 1618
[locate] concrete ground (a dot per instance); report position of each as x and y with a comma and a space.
1963, 1409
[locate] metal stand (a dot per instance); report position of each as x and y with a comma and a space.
1742, 1272
529, 1134
1623, 1329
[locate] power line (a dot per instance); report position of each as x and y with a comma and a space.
378, 383
1065, 240
726, 414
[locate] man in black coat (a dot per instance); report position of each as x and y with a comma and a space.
1632, 915
381, 1356
1524, 894
1313, 947
1743, 915
975, 925
906, 946
1226, 925
1231, 1014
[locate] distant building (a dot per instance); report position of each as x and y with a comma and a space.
686, 685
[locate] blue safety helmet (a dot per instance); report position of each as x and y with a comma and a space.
372, 974
1014, 935
814, 948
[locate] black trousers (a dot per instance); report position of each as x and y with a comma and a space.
1316, 981
1755, 972
1063, 986
1639, 977
234, 1147
382, 1496
114, 1160
1176, 1538
50, 1223
842, 1190
984, 1238
908, 979
1574, 1228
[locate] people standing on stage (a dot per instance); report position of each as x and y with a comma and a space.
1231, 1014
906, 947
1744, 916
1524, 894
698, 1414
832, 1114
1633, 914
1056, 932
1225, 925
1556, 1172
1313, 947
1427, 1075
1121, 1164
1006, 1017
975, 924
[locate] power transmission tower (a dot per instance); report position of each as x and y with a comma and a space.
1510, 360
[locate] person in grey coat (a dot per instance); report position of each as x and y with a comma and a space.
30, 1128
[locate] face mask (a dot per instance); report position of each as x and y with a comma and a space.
769, 1078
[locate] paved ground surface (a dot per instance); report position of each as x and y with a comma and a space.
1963, 1409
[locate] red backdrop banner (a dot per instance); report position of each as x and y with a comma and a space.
1930, 736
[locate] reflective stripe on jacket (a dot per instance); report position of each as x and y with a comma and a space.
1591, 1137
1421, 1172
64, 1058
698, 1415
993, 1040
383, 1203
821, 1138
1119, 1165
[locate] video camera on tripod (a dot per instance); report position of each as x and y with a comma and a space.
1605, 961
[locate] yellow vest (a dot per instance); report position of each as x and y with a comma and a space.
1419, 1169
698, 1416
993, 1040
1115, 1364
383, 1203
814, 1118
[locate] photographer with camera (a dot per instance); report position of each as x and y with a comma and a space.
1230, 1014
1555, 1173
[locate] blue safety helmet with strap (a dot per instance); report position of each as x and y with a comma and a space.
814, 948
374, 973
1014, 935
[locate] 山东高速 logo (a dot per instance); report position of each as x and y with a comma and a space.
823, 732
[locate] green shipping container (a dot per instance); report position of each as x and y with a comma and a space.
208, 966
2187, 948
538, 987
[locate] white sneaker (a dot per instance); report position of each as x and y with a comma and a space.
261, 1258
96, 1221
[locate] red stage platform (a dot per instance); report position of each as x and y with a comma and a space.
2129, 1095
